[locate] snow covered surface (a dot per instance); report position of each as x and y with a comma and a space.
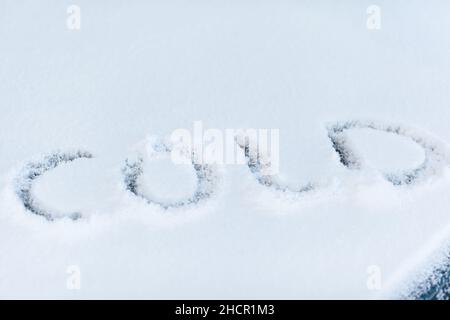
145, 68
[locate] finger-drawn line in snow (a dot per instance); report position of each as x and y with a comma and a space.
207, 177
436, 152
436, 158
259, 163
33, 170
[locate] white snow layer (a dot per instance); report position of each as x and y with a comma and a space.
364, 123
